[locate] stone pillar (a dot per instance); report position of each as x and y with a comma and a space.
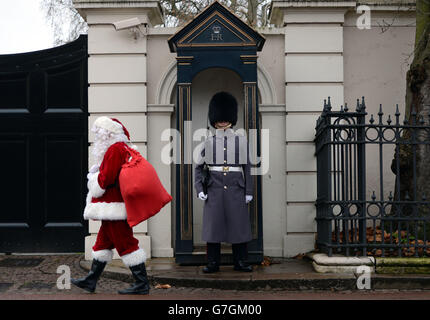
313, 71
160, 226
273, 182
117, 77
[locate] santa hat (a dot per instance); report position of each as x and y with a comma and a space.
223, 107
111, 125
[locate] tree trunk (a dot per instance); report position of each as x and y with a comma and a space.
252, 12
415, 181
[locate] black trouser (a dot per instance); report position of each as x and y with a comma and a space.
240, 252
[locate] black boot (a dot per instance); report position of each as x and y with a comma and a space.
242, 266
211, 267
141, 286
89, 282
240, 255
214, 257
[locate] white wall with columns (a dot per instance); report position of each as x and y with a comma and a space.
313, 52
313, 70
327, 55
376, 62
117, 78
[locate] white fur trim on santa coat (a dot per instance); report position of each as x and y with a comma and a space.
94, 187
105, 211
103, 255
134, 258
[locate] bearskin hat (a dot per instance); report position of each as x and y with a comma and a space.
223, 107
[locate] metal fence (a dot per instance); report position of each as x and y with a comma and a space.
351, 218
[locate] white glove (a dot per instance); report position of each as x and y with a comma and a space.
203, 196
248, 199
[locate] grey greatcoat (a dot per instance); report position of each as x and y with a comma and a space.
225, 213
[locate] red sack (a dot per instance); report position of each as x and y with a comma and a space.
141, 189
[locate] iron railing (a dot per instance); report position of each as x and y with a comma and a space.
353, 219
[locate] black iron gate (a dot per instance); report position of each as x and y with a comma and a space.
44, 143
354, 219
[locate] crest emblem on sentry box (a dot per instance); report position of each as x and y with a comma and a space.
216, 34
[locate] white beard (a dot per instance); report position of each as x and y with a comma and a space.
102, 141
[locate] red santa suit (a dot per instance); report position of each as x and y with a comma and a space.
104, 200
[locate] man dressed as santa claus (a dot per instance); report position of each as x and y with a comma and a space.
105, 203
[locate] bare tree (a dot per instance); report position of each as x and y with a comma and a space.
68, 24
64, 19
179, 12
417, 110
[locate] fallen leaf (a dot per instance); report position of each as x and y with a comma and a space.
266, 261
163, 286
299, 256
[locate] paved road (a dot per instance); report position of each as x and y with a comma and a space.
40, 282
205, 294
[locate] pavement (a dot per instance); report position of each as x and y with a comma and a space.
281, 274
41, 277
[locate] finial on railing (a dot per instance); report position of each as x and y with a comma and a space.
358, 105
341, 108
329, 104
390, 197
373, 196
414, 115
371, 119
346, 107
389, 119
363, 104
380, 113
397, 114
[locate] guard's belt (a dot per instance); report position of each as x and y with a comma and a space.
225, 168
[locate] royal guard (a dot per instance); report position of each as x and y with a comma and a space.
105, 203
229, 186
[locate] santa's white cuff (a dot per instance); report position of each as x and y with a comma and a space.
94, 187
103, 255
134, 258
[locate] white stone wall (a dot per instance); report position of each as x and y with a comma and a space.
117, 80
327, 55
313, 71
272, 113
376, 61
312, 54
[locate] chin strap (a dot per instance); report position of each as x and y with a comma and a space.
225, 127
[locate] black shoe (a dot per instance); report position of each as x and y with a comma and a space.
90, 281
242, 266
211, 267
141, 286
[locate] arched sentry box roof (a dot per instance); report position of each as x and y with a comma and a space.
216, 26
